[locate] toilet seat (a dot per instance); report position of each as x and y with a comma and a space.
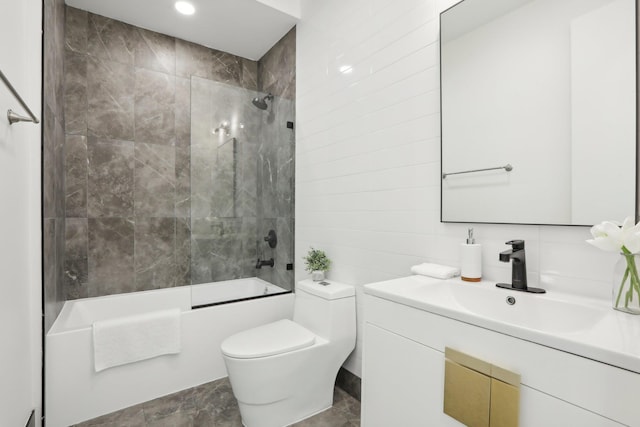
274, 338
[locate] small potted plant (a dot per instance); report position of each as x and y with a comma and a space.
317, 264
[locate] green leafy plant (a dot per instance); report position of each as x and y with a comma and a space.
316, 260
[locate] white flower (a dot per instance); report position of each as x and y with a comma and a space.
609, 236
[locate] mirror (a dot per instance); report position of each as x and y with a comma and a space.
538, 111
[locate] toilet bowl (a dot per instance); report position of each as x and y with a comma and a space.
285, 371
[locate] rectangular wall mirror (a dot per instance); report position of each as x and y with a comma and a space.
538, 111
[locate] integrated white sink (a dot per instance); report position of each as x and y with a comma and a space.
578, 325
513, 307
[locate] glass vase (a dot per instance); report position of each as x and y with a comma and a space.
626, 286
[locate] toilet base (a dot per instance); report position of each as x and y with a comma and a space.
285, 412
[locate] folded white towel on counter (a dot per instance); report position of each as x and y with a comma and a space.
435, 270
133, 338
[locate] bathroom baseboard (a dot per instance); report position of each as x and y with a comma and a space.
350, 383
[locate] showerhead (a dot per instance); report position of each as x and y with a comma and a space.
261, 103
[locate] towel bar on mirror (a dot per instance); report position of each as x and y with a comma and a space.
506, 167
12, 116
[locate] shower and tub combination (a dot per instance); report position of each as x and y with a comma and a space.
240, 197
75, 392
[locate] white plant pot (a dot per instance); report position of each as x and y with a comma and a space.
317, 275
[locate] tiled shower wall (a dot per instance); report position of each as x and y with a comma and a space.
277, 68
241, 184
223, 181
276, 192
53, 160
276, 159
127, 100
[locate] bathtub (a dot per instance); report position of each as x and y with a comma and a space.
74, 392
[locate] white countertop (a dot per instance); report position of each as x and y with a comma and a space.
586, 327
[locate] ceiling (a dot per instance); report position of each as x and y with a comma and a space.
247, 28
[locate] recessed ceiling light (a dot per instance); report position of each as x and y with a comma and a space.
185, 7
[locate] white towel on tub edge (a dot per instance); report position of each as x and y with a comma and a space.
133, 338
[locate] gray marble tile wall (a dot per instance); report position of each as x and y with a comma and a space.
53, 193
275, 206
242, 184
223, 181
276, 158
277, 68
138, 213
127, 153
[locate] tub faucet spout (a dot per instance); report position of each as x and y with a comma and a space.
262, 263
518, 268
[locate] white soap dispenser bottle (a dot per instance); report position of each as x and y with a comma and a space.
470, 259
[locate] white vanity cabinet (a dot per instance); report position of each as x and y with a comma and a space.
403, 373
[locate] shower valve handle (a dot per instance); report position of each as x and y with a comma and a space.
272, 239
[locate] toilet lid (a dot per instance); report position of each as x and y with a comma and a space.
267, 340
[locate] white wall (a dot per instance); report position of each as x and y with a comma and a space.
368, 157
20, 288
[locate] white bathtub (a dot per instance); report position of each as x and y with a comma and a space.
74, 392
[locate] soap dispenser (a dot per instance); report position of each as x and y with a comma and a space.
471, 259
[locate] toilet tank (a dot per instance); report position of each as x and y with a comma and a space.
327, 310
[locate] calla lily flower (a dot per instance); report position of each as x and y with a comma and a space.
623, 238
612, 237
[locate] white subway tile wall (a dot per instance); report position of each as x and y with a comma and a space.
368, 158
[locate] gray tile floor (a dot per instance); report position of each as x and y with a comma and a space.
213, 405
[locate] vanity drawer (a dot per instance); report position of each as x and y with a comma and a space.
403, 385
606, 390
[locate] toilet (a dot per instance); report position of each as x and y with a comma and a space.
284, 372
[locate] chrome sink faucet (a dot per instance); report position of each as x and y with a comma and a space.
518, 268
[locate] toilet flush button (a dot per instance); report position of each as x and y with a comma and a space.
322, 289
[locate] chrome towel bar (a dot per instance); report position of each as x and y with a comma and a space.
507, 168
12, 116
